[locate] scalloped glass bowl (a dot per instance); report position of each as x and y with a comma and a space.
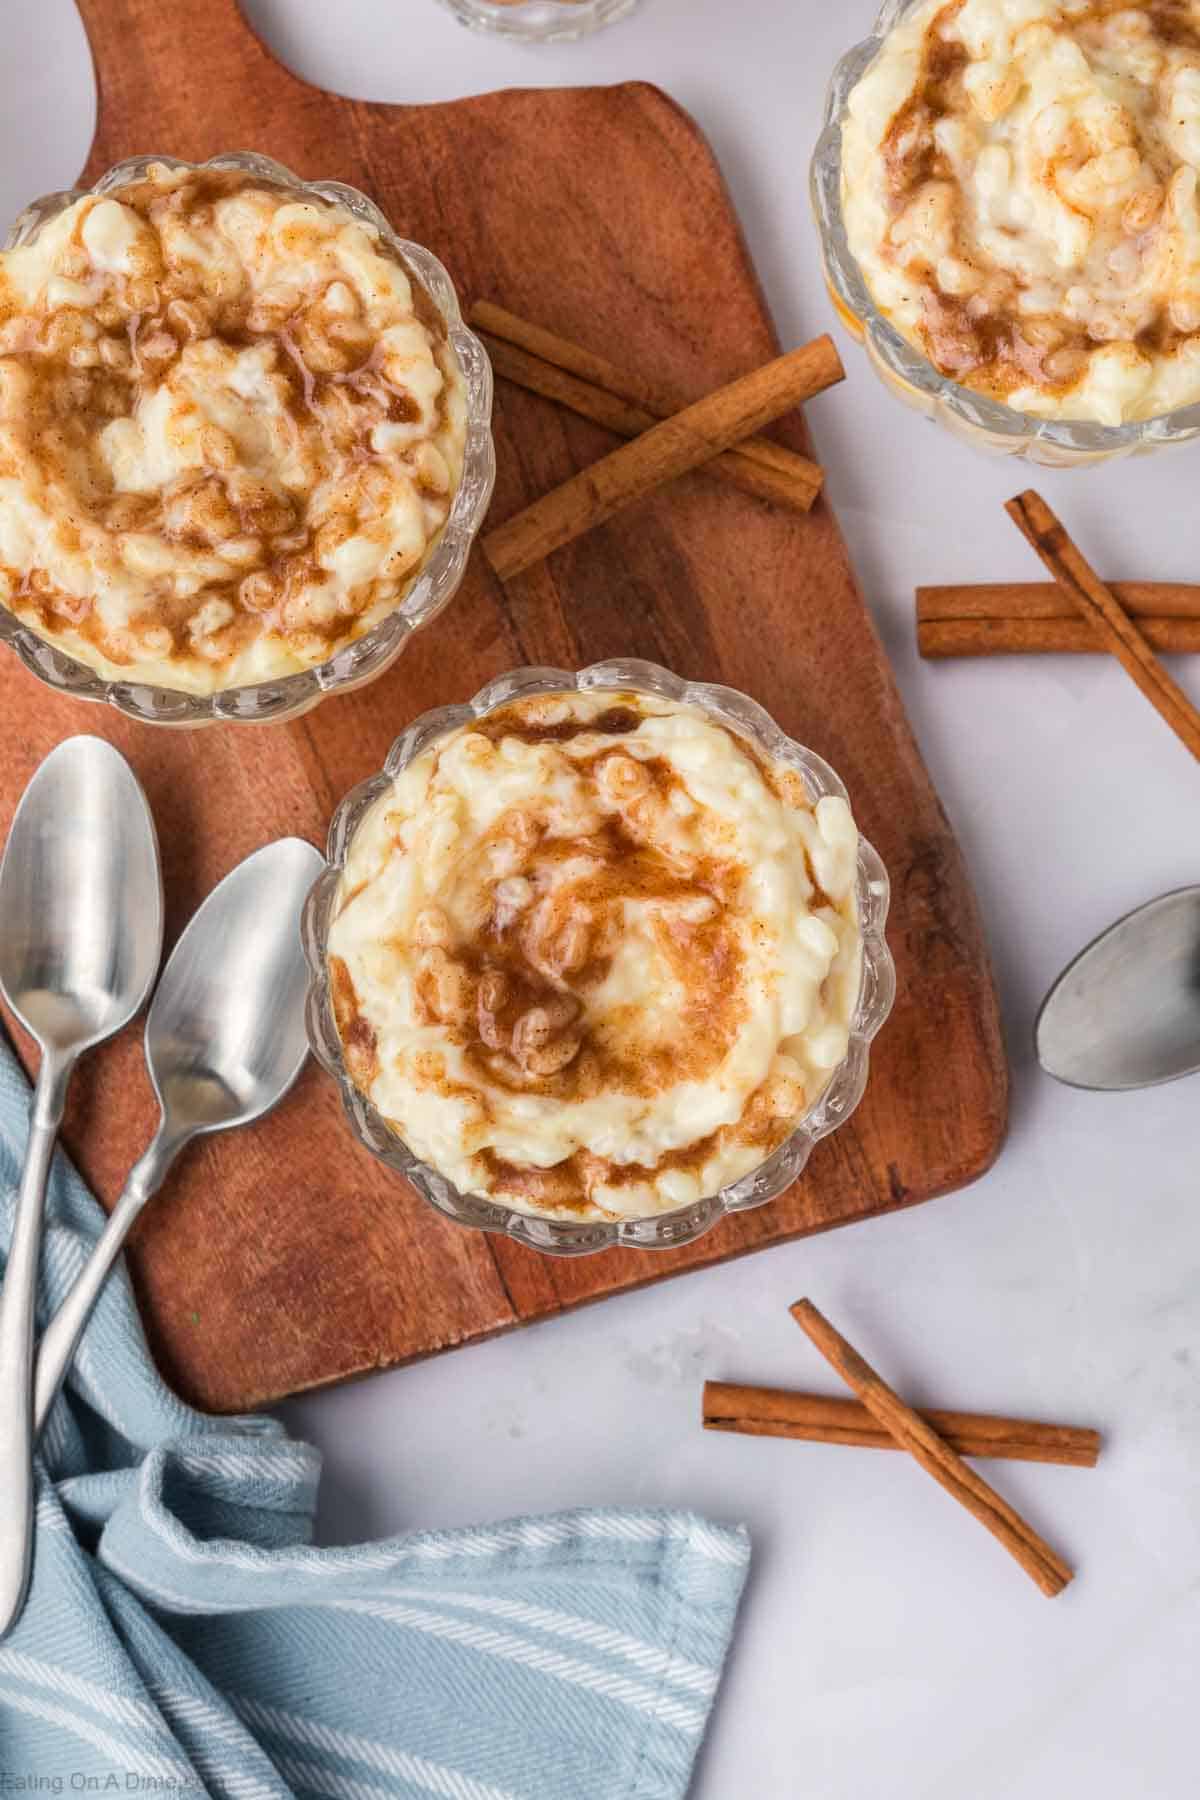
987, 424
359, 662
540, 21
663, 1230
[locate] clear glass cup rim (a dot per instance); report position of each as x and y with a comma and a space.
441, 574
539, 21
1082, 439
761, 1184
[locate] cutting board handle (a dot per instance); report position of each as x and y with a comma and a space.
167, 75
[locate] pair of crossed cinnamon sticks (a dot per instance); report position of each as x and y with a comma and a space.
668, 436
937, 1440
1088, 614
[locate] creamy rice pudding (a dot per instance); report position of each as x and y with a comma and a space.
593, 956
1020, 193
231, 430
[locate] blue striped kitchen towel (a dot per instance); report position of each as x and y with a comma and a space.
183, 1635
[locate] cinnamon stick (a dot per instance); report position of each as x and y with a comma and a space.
626, 404
824, 1419
1036, 618
1040, 1562
1100, 607
667, 450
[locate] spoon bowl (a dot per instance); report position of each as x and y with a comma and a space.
220, 1039
80, 899
1126, 1012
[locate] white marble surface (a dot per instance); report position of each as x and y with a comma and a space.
887, 1647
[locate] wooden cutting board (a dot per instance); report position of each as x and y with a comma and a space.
285, 1257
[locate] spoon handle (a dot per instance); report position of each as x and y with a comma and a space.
60, 1340
18, 1300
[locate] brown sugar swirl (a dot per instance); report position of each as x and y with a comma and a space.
231, 429
593, 957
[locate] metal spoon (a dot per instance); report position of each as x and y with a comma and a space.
225, 1040
80, 943
1126, 1012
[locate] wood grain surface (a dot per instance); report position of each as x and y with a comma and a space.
283, 1257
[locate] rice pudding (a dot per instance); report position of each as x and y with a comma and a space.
231, 429
592, 956
1020, 195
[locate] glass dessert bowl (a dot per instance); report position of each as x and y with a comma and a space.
248, 440
1002, 204
539, 21
598, 958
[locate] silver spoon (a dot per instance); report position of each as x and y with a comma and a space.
225, 1040
1126, 1012
80, 943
